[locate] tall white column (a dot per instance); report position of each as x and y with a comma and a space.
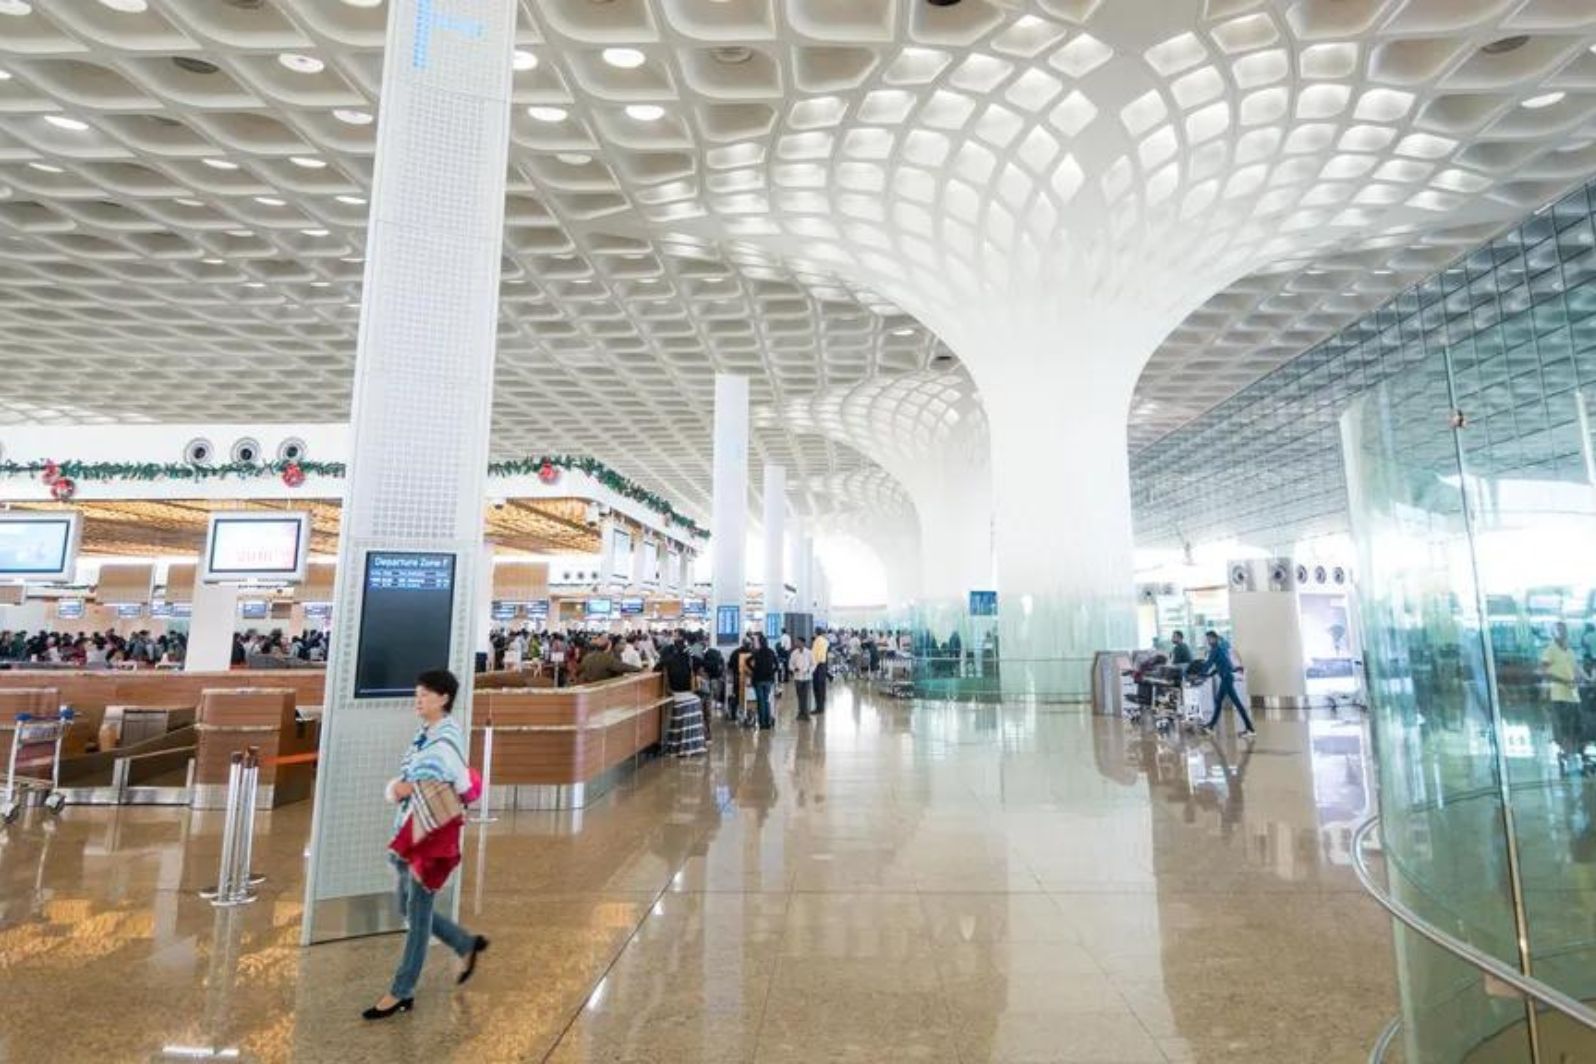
484, 644
210, 626
728, 524
798, 563
422, 398
775, 542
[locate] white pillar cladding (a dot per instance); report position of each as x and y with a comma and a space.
210, 627
775, 536
729, 508
423, 387
484, 600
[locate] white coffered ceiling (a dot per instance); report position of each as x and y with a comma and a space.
183, 182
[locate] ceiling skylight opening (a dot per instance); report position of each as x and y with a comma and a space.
268, 201
524, 60
353, 201
547, 114
63, 122
353, 118
1545, 99
219, 164
624, 58
645, 112
127, 7
17, 8
307, 162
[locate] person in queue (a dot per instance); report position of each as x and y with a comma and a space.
801, 663
1218, 663
435, 780
762, 671
602, 664
737, 673
820, 649
1560, 672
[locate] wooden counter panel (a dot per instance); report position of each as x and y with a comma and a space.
567, 754
572, 706
94, 690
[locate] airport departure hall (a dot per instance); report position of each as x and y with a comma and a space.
774, 531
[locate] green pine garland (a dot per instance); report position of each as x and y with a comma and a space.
148, 471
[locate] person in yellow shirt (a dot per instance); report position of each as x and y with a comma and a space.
1560, 673
820, 648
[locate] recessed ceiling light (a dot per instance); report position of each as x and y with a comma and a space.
574, 158
5, 75
524, 60
353, 118
219, 164
625, 58
62, 122
354, 201
547, 114
307, 162
47, 168
240, 233
15, 7
269, 201
314, 232
254, 284
364, 3
320, 284
1545, 99
732, 54
212, 262
645, 112
301, 64
127, 7
902, 332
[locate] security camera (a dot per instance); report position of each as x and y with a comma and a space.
291, 450
246, 450
199, 452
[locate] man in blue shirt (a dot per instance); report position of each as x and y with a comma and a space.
1218, 664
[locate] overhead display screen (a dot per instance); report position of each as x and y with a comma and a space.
254, 609
44, 546
406, 621
69, 609
600, 607
631, 607
256, 547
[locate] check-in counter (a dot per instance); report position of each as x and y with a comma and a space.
563, 748
234, 719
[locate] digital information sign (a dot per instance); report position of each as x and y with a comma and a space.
983, 604
256, 547
728, 624
38, 546
406, 621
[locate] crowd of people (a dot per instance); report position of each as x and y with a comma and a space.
307, 646
86, 649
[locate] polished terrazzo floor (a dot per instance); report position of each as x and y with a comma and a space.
901, 883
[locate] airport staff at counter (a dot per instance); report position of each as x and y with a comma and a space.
601, 664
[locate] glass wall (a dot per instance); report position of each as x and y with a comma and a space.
1471, 480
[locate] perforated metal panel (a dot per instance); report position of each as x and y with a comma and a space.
422, 394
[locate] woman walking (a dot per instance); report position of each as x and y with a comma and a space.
433, 785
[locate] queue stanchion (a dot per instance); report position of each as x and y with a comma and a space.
223, 888
484, 814
247, 876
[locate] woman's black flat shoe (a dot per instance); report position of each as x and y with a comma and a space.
402, 1005
479, 946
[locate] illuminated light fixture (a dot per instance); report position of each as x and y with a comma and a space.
732, 54
219, 164
314, 232
645, 112
902, 332
15, 7
364, 3
524, 60
187, 202
353, 201
353, 118
47, 168
254, 284
547, 114
301, 64
320, 284
624, 58
5, 75
307, 162
268, 201
127, 7
213, 262
63, 122
574, 158
1545, 99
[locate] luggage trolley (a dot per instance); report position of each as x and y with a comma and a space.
35, 746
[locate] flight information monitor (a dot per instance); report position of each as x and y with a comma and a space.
406, 621
43, 546
257, 546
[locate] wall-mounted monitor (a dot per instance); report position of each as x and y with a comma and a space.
506, 611
168, 610
318, 611
406, 621
254, 609
631, 607
39, 546
242, 546
68, 609
537, 608
128, 610
599, 607
695, 607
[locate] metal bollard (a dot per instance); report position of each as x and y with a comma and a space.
224, 874
247, 877
484, 816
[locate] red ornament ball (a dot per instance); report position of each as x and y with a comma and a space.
548, 474
51, 474
63, 488
293, 476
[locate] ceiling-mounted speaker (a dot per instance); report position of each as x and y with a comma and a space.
291, 450
1240, 576
246, 450
1280, 574
1321, 575
199, 451
1338, 576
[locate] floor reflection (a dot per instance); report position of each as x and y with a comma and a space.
896, 882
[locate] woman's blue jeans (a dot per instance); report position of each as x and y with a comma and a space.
762, 696
415, 905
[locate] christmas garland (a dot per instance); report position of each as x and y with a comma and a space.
294, 473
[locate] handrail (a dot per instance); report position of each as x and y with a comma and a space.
1526, 985
1382, 1045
